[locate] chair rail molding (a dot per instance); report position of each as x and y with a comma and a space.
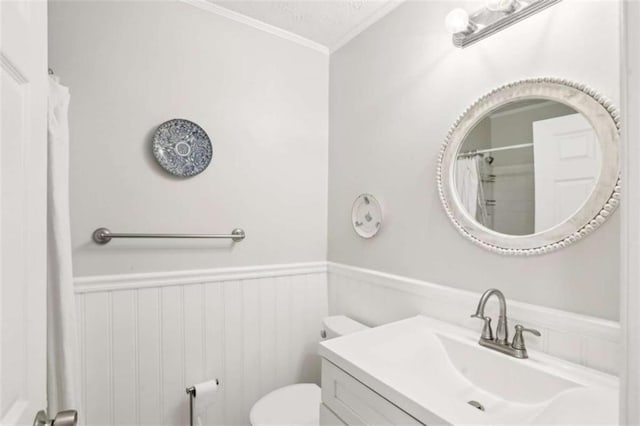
101, 283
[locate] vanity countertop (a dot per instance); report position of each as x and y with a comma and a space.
431, 370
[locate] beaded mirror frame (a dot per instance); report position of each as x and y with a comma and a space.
605, 119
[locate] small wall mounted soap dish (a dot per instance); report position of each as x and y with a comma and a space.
366, 216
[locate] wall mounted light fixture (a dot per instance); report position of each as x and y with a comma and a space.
498, 14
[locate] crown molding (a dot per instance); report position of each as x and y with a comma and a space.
371, 19
257, 24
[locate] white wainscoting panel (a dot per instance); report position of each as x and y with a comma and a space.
146, 337
376, 298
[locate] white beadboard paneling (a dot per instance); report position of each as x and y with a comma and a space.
317, 303
194, 338
123, 354
172, 348
150, 377
214, 314
602, 355
566, 345
97, 365
251, 348
283, 331
376, 298
143, 345
298, 308
268, 350
233, 376
80, 316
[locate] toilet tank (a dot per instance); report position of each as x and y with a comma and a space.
339, 325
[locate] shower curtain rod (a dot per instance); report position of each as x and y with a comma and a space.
504, 148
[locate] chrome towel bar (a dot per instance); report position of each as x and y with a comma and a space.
104, 235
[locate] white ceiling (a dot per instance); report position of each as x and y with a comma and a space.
330, 23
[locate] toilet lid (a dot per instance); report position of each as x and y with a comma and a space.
297, 405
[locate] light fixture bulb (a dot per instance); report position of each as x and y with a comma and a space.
500, 5
457, 21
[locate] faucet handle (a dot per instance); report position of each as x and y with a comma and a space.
518, 339
487, 333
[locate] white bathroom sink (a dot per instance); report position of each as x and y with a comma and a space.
434, 371
515, 381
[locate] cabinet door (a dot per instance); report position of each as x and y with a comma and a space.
328, 418
357, 404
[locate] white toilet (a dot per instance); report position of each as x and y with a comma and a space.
299, 405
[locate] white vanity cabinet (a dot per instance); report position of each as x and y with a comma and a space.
346, 401
421, 371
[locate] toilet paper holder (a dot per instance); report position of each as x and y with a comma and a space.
191, 391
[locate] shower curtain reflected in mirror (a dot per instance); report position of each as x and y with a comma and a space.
468, 181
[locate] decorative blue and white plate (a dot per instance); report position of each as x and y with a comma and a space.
366, 216
182, 147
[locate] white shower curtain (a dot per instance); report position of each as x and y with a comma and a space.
469, 186
62, 348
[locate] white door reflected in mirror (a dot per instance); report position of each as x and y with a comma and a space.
566, 167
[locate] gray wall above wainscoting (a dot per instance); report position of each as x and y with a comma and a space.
396, 89
132, 65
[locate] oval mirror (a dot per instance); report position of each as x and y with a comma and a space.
531, 167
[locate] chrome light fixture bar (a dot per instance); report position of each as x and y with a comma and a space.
497, 15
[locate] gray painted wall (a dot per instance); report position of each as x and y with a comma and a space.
394, 92
263, 100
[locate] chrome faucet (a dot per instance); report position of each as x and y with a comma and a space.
500, 343
502, 332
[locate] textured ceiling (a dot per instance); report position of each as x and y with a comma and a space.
327, 22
